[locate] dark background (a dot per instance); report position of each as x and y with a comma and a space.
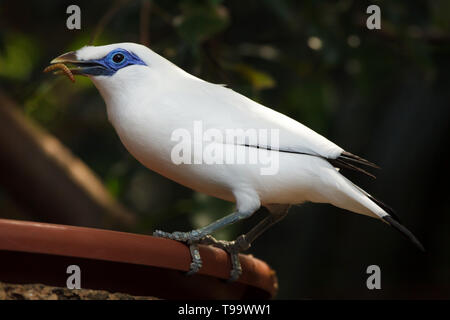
382, 94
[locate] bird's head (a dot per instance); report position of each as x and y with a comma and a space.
119, 67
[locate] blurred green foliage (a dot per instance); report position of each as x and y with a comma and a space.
312, 60
16, 61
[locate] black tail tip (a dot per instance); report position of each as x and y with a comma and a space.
402, 229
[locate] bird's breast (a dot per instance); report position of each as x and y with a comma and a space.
147, 132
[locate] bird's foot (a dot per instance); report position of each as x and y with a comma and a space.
233, 248
192, 239
193, 235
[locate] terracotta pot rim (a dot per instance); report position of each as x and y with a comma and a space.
130, 248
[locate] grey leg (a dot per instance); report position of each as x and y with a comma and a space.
244, 241
277, 213
198, 234
192, 238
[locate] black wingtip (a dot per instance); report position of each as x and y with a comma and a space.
404, 231
352, 157
339, 163
348, 160
385, 207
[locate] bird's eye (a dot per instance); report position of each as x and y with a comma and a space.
118, 58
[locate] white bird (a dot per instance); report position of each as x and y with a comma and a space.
148, 99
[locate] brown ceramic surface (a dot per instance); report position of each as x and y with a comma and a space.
124, 262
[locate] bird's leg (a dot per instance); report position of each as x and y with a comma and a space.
244, 241
197, 234
192, 238
277, 213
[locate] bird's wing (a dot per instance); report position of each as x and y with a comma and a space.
222, 108
233, 110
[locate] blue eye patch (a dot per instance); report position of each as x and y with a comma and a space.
111, 63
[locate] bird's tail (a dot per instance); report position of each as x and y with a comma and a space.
403, 230
359, 201
393, 220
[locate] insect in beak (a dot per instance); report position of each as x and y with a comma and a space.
63, 68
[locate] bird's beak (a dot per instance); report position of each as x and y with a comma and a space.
81, 67
69, 57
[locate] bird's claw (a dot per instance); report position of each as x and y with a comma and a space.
196, 262
193, 239
193, 235
233, 248
238, 245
